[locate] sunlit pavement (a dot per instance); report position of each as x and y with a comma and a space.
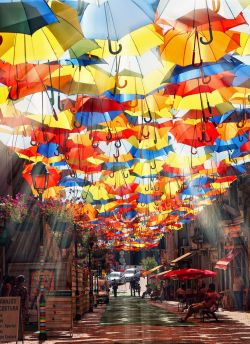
131, 320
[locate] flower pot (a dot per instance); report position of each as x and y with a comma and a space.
5, 237
64, 240
25, 226
57, 225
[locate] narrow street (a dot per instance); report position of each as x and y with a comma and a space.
132, 320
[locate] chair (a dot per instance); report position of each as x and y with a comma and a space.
182, 302
209, 313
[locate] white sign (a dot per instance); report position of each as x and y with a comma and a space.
9, 319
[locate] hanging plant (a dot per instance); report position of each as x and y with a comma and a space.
57, 214
14, 209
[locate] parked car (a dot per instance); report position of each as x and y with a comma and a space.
132, 273
117, 276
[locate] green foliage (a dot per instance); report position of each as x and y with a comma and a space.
148, 263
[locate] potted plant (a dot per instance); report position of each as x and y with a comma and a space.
16, 212
58, 214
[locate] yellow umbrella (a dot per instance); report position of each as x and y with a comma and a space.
147, 168
65, 120
185, 162
4, 92
150, 137
244, 48
178, 46
79, 79
227, 131
118, 178
47, 43
135, 43
194, 102
156, 103
98, 191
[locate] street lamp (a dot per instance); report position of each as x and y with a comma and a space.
40, 175
78, 309
91, 295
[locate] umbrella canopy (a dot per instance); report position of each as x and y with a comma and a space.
25, 16
188, 274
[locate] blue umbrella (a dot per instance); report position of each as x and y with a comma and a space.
25, 16
90, 119
181, 74
69, 181
242, 75
48, 150
116, 18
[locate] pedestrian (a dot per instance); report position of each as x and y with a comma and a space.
7, 286
238, 285
115, 287
138, 287
132, 286
20, 290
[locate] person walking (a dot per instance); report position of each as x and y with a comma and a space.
7, 286
115, 287
238, 285
132, 286
20, 290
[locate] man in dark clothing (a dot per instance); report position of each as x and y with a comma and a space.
115, 287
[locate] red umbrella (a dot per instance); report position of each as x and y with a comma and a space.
198, 135
188, 274
97, 104
200, 85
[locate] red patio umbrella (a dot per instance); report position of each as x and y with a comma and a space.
188, 274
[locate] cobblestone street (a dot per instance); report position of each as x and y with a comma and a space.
131, 320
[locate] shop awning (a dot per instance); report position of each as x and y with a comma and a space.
147, 272
183, 257
158, 276
224, 262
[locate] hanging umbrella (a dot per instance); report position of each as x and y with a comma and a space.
24, 79
184, 48
26, 17
203, 19
198, 135
135, 43
227, 63
48, 43
114, 19
80, 80
200, 85
225, 8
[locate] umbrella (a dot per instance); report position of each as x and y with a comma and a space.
25, 16
184, 48
135, 43
198, 135
114, 19
47, 43
226, 8
203, 19
188, 274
